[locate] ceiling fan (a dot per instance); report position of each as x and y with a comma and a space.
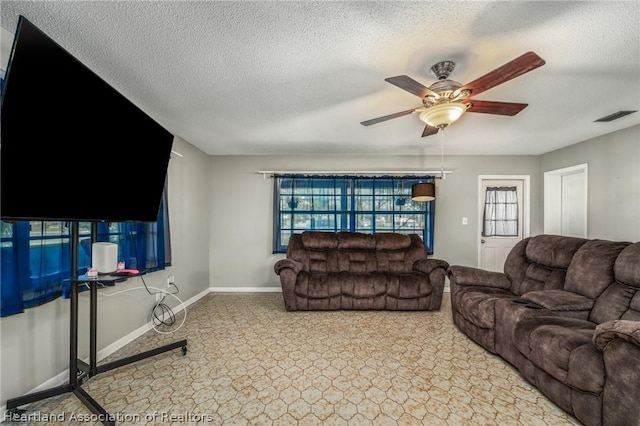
446, 100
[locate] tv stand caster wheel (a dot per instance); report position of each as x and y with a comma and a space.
184, 350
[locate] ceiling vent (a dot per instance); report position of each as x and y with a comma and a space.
613, 116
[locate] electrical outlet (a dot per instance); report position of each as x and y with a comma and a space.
170, 280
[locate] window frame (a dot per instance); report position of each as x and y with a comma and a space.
349, 195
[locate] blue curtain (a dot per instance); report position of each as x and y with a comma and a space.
36, 262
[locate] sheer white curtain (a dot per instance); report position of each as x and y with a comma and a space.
500, 212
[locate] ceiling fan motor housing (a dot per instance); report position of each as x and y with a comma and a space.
442, 69
447, 91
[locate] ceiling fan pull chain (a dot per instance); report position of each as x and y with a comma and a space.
442, 154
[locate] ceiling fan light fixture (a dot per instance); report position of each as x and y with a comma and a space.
423, 192
443, 115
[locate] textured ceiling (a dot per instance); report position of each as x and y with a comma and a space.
275, 77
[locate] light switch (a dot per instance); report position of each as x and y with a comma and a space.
465, 221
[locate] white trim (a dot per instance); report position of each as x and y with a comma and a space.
553, 197
62, 378
245, 289
123, 341
526, 228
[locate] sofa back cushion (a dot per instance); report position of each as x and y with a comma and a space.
354, 241
355, 252
591, 269
314, 251
540, 262
621, 300
397, 252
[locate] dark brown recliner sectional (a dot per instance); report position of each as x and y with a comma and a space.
566, 314
351, 270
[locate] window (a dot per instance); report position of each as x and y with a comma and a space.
35, 256
500, 212
349, 203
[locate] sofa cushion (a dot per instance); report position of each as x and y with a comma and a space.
362, 286
392, 261
389, 241
319, 240
621, 300
563, 348
617, 302
322, 260
355, 241
627, 266
478, 305
408, 285
559, 300
356, 261
553, 251
538, 277
591, 270
540, 262
316, 285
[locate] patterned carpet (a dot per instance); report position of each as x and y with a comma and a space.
251, 362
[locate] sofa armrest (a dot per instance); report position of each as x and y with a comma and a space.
287, 263
466, 275
559, 300
609, 331
288, 270
428, 265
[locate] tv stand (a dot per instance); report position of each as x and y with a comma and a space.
80, 371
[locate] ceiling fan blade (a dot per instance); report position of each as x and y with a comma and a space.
410, 85
492, 107
388, 117
429, 130
522, 64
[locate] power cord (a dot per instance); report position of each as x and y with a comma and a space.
161, 313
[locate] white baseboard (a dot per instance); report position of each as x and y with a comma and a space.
245, 289
62, 378
108, 350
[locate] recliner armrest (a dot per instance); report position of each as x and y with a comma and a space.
466, 275
287, 263
428, 265
559, 300
608, 331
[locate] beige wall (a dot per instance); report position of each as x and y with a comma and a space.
34, 345
242, 207
613, 160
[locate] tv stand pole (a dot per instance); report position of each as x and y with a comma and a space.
80, 371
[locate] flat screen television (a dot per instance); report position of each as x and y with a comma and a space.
72, 147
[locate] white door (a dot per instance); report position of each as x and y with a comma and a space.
503, 218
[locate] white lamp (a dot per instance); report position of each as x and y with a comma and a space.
442, 115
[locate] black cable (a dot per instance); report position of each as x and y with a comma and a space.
162, 314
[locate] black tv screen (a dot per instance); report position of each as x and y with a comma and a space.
72, 147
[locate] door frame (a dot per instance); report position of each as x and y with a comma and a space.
526, 207
552, 214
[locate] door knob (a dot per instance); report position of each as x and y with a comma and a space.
482, 241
